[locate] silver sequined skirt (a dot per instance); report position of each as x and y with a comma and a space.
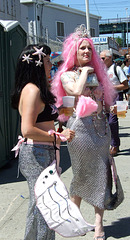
33, 159
89, 153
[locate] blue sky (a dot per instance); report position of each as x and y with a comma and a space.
107, 9
103, 8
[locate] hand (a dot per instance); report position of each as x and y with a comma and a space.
113, 109
87, 69
69, 134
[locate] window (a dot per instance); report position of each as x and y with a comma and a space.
60, 29
92, 32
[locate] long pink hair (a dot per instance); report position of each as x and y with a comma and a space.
69, 56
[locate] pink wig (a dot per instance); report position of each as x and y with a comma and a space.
69, 55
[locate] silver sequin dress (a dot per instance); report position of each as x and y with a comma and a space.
89, 153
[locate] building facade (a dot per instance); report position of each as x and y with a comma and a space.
44, 20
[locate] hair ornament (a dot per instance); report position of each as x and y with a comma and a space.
81, 32
27, 58
38, 63
39, 52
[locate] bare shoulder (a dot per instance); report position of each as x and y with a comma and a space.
30, 93
68, 76
30, 88
30, 98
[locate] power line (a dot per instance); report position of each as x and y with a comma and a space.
96, 7
101, 3
108, 7
101, 7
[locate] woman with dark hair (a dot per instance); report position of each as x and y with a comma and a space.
89, 149
35, 103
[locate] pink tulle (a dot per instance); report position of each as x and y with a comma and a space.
85, 106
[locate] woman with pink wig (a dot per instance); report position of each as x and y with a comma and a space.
82, 75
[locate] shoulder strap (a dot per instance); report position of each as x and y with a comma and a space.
115, 71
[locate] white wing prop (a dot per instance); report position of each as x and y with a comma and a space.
59, 212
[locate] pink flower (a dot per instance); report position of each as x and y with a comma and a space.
85, 106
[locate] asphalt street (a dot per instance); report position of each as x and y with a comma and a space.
14, 196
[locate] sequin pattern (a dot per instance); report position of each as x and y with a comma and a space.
89, 154
33, 159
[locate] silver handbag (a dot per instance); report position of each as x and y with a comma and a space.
115, 199
92, 80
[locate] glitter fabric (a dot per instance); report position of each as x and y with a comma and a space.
33, 159
89, 152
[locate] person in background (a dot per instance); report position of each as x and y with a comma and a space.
89, 149
118, 63
36, 105
128, 57
120, 83
54, 69
126, 67
126, 70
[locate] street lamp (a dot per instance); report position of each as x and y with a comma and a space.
114, 27
127, 26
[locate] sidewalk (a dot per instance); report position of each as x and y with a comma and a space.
14, 197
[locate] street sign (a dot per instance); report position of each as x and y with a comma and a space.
100, 40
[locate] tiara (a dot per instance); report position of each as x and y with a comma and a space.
81, 32
37, 52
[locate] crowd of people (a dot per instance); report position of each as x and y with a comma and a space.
88, 138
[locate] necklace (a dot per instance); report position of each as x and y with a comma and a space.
99, 118
95, 126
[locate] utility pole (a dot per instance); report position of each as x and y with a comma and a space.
87, 16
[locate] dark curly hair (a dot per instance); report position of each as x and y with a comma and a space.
30, 73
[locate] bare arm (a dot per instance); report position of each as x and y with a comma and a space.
121, 86
76, 86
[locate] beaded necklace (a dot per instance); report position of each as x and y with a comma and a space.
98, 117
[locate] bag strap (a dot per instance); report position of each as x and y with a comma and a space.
115, 71
56, 134
55, 147
113, 169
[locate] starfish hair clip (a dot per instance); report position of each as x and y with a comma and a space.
38, 63
39, 52
26, 58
